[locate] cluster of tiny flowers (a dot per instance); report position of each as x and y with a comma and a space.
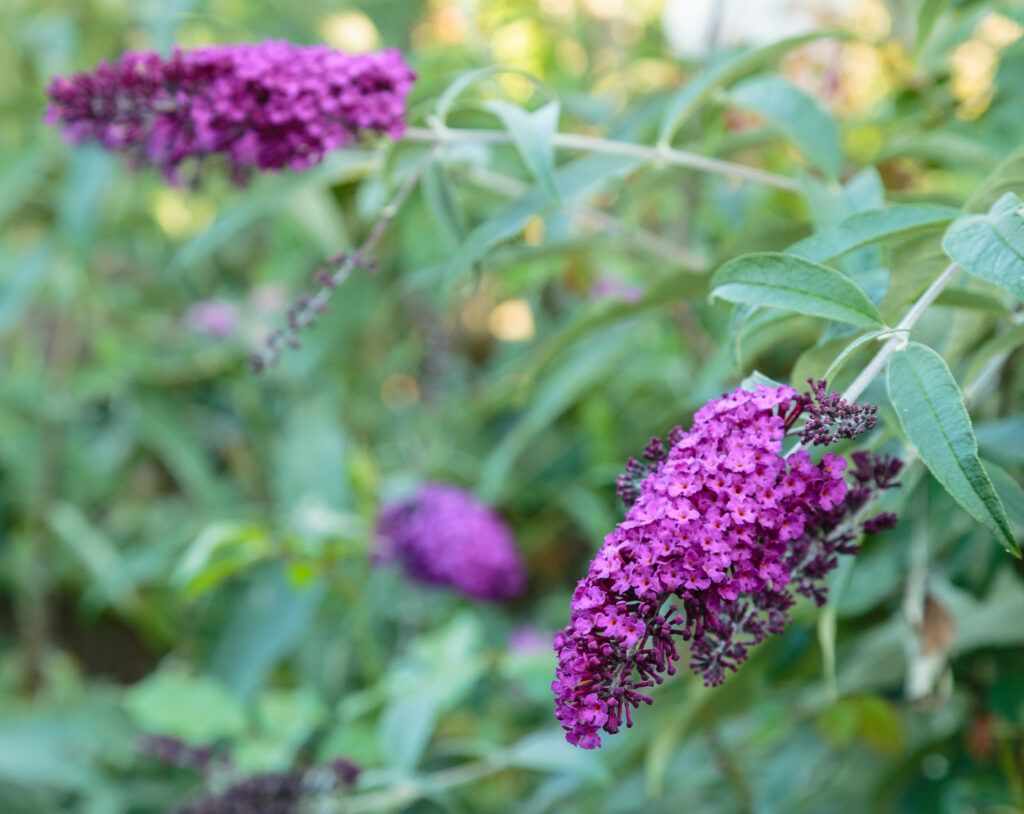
828, 416
262, 106
727, 526
444, 536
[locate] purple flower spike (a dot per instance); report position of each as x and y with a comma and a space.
262, 106
444, 536
720, 532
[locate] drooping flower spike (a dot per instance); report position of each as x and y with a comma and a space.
264, 106
445, 536
720, 532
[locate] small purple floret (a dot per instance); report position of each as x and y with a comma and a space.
265, 106
445, 536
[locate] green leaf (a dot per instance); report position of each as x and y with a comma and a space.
266, 622
610, 312
758, 379
864, 228
548, 752
991, 246
931, 411
1011, 493
466, 80
1003, 438
843, 357
532, 134
927, 16
967, 298
21, 277
220, 551
724, 73
798, 116
197, 709
576, 180
1007, 177
996, 348
794, 284
585, 367
442, 204
435, 677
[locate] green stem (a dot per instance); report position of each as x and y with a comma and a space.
596, 144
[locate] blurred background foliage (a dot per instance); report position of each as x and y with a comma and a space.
184, 543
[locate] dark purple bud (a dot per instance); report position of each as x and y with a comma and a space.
880, 522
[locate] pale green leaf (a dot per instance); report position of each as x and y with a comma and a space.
991, 246
797, 115
575, 180
532, 133
197, 709
865, 228
927, 16
1007, 177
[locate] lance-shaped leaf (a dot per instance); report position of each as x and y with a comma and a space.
931, 411
991, 246
865, 228
533, 136
797, 116
794, 284
575, 180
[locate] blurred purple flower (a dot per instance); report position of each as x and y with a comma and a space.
721, 521
214, 318
527, 639
608, 288
262, 106
445, 536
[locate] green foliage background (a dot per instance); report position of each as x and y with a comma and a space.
184, 544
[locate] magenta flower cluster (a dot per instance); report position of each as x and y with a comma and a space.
445, 536
263, 106
727, 526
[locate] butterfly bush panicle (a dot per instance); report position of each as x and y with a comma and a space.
444, 536
265, 106
721, 531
